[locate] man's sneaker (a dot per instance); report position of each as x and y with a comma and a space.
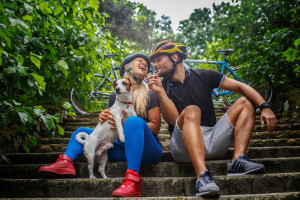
62, 168
206, 186
242, 166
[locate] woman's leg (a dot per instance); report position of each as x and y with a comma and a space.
140, 146
63, 167
75, 149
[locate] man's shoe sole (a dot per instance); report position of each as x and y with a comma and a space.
253, 171
209, 193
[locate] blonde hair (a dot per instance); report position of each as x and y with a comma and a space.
140, 98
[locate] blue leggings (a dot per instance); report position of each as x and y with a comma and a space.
140, 145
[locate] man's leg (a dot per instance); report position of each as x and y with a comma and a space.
189, 123
242, 116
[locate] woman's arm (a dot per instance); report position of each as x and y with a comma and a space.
154, 120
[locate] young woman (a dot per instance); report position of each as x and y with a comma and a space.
141, 133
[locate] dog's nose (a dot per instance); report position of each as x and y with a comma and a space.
118, 90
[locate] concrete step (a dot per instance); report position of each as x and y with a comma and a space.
161, 169
166, 136
61, 147
151, 186
270, 196
164, 130
92, 122
252, 152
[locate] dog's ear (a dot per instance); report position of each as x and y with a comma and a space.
114, 84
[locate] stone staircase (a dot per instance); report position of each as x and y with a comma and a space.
279, 152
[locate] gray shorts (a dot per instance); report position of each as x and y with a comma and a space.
217, 140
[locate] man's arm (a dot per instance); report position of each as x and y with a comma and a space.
253, 96
168, 109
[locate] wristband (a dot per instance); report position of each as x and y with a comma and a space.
264, 105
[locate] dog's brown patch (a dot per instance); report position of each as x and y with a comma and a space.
128, 84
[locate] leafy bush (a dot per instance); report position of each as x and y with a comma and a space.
45, 47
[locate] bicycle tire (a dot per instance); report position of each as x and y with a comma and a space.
88, 97
264, 87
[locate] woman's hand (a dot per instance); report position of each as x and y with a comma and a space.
106, 115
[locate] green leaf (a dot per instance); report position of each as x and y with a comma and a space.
48, 121
94, 4
23, 116
28, 8
60, 129
35, 61
38, 111
27, 18
25, 147
7, 39
297, 42
15, 22
63, 66
10, 70
58, 10
33, 140
45, 9
39, 79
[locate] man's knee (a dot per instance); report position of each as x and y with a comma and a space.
191, 113
243, 101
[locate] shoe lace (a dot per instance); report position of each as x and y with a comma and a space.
207, 178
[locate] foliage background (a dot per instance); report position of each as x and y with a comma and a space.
48, 45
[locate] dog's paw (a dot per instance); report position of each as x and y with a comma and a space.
93, 177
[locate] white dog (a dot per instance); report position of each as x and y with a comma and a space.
100, 140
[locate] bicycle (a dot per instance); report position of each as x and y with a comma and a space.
90, 95
239, 73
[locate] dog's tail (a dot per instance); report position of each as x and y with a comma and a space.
81, 137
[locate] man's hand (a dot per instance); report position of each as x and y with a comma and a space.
155, 84
124, 117
268, 116
106, 115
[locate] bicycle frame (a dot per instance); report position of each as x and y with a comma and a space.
102, 95
217, 92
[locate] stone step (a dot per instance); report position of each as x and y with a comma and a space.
270, 196
61, 147
161, 169
166, 137
92, 122
151, 186
252, 152
164, 130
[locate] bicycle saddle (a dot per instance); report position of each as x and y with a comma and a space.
225, 52
109, 55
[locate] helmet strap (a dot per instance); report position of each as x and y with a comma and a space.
172, 72
132, 74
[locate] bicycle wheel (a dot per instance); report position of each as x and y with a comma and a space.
92, 96
258, 81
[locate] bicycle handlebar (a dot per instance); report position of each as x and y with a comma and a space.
200, 61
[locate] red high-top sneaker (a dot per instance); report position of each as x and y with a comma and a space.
62, 168
131, 186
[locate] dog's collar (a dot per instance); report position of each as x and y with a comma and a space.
125, 102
